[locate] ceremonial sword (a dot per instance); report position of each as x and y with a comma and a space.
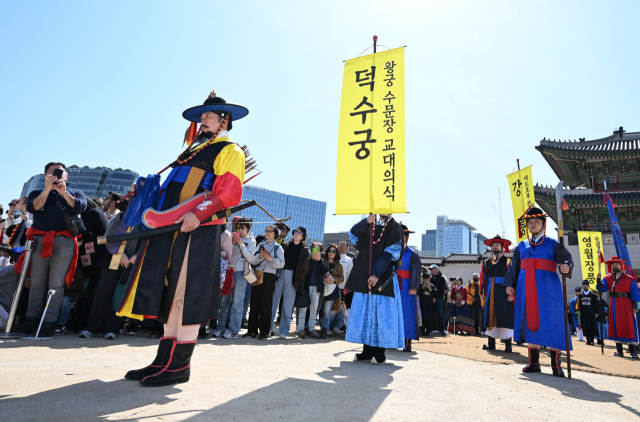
564, 277
175, 227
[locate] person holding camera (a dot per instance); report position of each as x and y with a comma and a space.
268, 258
54, 260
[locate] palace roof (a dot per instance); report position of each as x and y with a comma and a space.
587, 163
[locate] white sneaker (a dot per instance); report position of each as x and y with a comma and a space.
375, 361
283, 337
110, 336
216, 334
229, 335
85, 334
336, 330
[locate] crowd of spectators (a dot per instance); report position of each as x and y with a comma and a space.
266, 281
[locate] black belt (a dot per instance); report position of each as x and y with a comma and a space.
620, 294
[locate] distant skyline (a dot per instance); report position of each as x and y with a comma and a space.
105, 83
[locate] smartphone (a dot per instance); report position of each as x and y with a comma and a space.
314, 250
18, 213
58, 173
327, 275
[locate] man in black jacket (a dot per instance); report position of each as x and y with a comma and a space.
438, 280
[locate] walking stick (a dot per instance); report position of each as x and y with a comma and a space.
564, 277
29, 248
372, 227
46, 308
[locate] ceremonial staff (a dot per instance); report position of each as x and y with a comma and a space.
564, 277
601, 307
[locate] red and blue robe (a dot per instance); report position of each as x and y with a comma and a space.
624, 297
540, 311
150, 290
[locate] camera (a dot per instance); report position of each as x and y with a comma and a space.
58, 173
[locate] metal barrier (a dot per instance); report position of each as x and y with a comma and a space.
29, 248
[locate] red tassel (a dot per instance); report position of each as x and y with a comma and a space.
564, 205
191, 133
601, 258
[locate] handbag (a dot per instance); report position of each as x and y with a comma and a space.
259, 278
248, 273
72, 219
228, 282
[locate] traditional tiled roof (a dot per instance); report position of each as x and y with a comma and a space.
585, 195
566, 158
611, 144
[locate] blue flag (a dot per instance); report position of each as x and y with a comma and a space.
618, 239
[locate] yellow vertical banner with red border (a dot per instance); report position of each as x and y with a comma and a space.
590, 264
371, 174
522, 197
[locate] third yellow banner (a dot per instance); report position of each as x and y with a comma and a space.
590, 243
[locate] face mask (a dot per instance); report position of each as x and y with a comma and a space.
4, 261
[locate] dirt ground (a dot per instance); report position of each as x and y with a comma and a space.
583, 358
72, 379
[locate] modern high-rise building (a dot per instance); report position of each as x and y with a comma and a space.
304, 212
95, 182
452, 236
429, 243
441, 220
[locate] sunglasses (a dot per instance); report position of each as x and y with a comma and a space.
331, 251
269, 231
295, 232
13, 204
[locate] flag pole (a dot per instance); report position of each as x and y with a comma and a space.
372, 226
564, 277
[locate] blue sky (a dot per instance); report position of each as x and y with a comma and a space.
105, 83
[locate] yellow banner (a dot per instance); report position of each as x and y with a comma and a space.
371, 163
588, 243
521, 188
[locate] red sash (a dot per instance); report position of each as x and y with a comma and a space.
529, 265
403, 274
47, 250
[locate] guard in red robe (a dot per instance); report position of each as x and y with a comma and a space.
623, 306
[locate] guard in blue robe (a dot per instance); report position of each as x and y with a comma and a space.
375, 319
409, 278
540, 309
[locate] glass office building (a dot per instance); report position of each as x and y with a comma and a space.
304, 212
95, 182
429, 243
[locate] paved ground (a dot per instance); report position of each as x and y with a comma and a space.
76, 379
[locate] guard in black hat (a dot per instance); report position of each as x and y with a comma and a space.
498, 305
540, 309
166, 264
589, 311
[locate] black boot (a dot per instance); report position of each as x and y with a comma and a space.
323, 333
178, 368
534, 362
165, 346
365, 356
378, 356
28, 326
619, 352
507, 346
556, 365
407, 345
633, 349
491, 345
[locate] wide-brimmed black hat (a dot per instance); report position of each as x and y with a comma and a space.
405, 229
303, 231
585, 282
217, 105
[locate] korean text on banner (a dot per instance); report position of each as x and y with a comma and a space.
371, 155
589, 260
521, 188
